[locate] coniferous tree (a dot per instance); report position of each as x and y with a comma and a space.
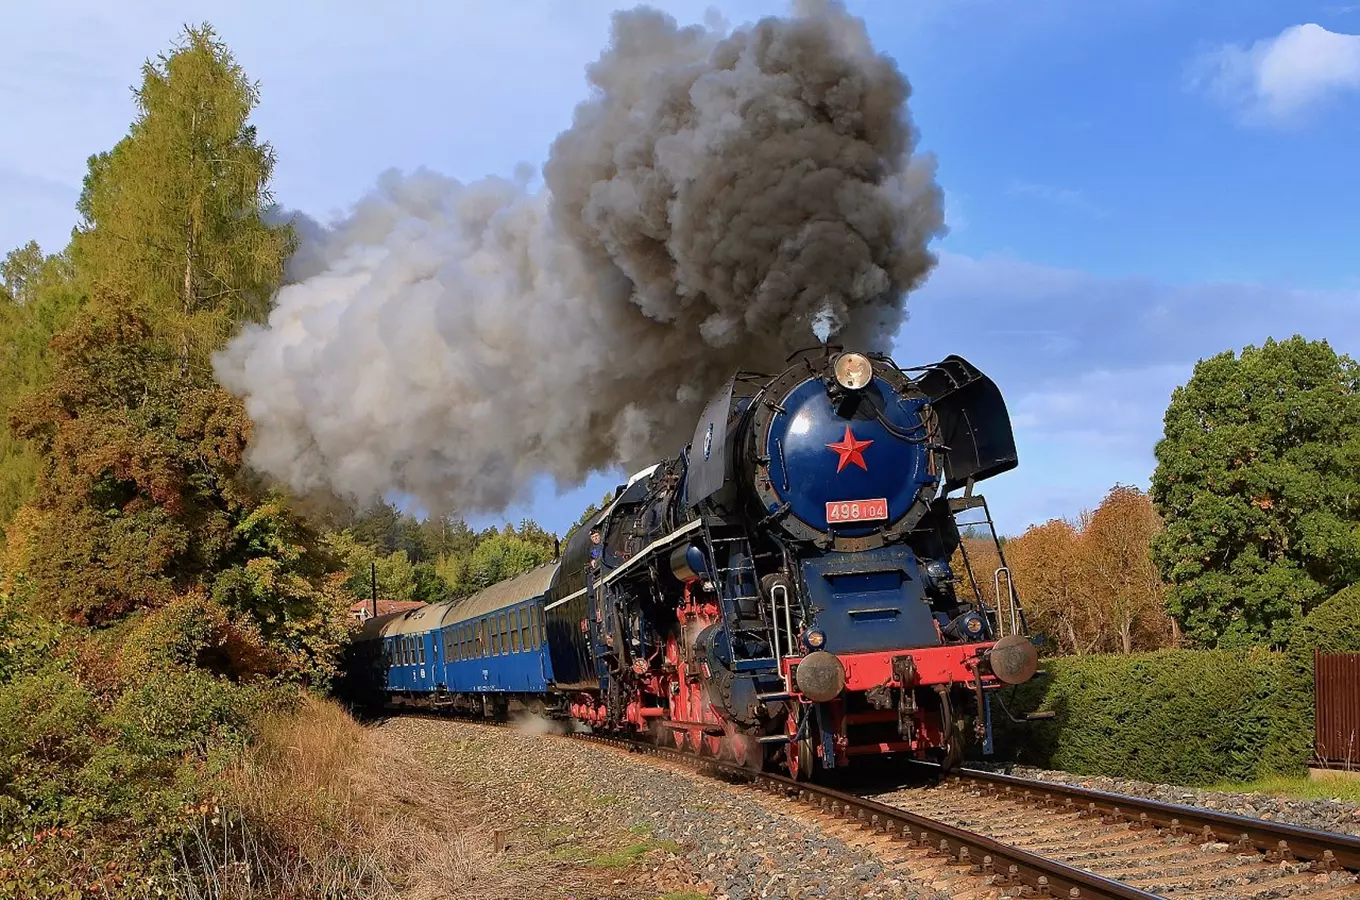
174, 216
38, 297
142, 494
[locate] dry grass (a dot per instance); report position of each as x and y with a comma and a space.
322, 807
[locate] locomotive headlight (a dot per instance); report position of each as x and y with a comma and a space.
853, 371
815, 639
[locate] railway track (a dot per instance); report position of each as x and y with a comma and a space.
1009, 869
1021, 838
1031, 838
1164, 849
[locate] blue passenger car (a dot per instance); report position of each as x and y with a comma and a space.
412, 656
479, 653
495, 641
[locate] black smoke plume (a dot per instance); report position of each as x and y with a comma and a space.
720, 199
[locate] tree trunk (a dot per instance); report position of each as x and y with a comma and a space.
187, 296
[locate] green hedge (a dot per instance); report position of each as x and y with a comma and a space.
1192, 717
1178, 716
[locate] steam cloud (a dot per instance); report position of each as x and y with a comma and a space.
720, 200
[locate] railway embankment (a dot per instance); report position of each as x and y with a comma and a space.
613, 824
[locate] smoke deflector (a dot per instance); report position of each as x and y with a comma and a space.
974, 423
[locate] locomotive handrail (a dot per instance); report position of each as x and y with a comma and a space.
779, 595
1012, 601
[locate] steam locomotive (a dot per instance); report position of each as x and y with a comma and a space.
783, 593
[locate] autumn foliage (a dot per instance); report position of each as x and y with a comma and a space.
1089, 586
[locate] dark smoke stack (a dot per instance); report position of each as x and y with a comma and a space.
720, 199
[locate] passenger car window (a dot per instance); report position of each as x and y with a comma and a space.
504, 634
514, 631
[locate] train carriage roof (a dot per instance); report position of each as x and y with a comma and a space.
426, 618
374, 626
496, 597
502, 594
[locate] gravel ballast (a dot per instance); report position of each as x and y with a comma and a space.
665, 831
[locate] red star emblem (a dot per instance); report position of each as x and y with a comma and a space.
851, 450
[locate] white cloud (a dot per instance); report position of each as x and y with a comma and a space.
1087, 364
1279, 80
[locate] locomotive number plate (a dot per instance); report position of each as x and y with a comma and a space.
857, 510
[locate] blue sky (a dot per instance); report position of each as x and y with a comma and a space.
1131, 185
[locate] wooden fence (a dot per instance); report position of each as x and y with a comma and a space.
1337, 703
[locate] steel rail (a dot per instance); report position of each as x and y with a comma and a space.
1279, 842
982, 856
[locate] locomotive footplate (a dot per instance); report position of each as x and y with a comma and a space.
904, 673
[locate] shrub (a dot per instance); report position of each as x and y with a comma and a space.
1178, 716
319, 806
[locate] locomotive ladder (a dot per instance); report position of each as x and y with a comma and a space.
1007, 616
608, 644
747, 615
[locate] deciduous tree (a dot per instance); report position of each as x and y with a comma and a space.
1258, 481
1047, 566
1115, 553
1092, 585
